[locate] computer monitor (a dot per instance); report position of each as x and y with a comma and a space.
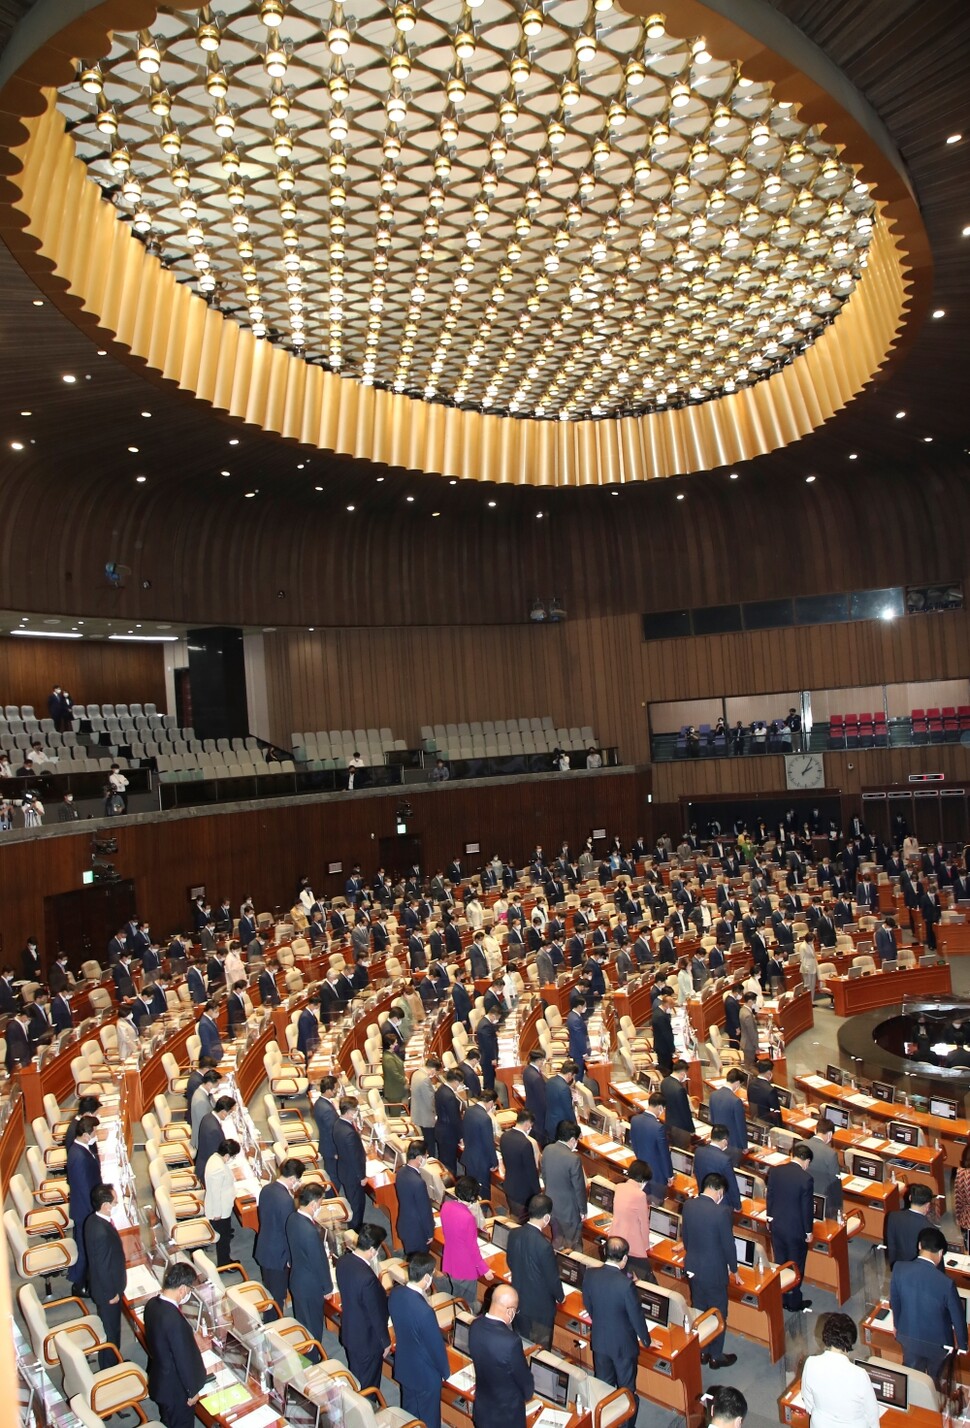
500, 1234
883, 1091
892, 1387
757, 1135
869, 1169
459, 1338
391, 1156
785, 1097
855, 973
965, 1299
944, 1108
837, 1115
745, 1184
656, 1306
818, 1207
682, 1161
601, 1194
929, 960
835, 1074
703, 1113
903, 1133
550, 1381
598, 1122
664, 1223
745, 1250
890, 964
571, 1271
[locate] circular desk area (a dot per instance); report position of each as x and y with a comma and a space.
907, 1045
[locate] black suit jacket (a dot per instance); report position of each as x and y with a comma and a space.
275, 1207
663, 1039
363, 1308
535, 1275
61, 1014
763, 1101
448, 1116
268, 991
521, 1172
19, 1048
708, 1234
107, 1274
124, 986
790, 1202
617, 1325
211, 1135
534, 1085
415, 1217
677, 1105
176, 1372
503, 1380
351, 1156
309, 1269
902, 1231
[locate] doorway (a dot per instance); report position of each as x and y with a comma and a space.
82, 923
399, 854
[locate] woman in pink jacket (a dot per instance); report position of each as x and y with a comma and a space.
462, 1259
631, 1217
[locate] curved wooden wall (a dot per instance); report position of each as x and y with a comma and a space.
94, 673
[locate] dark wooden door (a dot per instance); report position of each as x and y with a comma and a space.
399, 854
81, 923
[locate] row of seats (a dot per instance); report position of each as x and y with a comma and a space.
332, 748
938, 726
504, 737
855, 731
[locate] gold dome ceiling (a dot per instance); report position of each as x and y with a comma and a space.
562, 211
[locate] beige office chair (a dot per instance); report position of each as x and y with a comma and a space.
185, 1235
86, 1326
48, 1189
106, 1392
100, 999
92, 971
172, 1129
90, 1419
55, 1119
37, 1261
188, 1204
45, 1222
55, 1156
176, 1078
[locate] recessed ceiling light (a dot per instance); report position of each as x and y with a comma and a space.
853, 456
300, 465
614, 493
379, 480
680, 495
234, 441
26, 414
141, 480
809, 480
146, 414
224, 473
69, 378
732, 475
539, 515
966, 231
102, 352
436, 513
351, 508
318, 488
38, 302
491, 505
927, 438
900, 415
410, 498
954, 138
250, 495
310, 629
939, 312
452, 483
133, 448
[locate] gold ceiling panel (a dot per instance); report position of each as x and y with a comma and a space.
595, 221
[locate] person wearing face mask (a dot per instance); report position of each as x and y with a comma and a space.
503, 1380
363, 1307
176, 1373
711, 1258
420, 1361
67, 813
310, 1278
351, 1160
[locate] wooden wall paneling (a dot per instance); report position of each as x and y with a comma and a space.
930, 694
264, 851
857, 700
93, 671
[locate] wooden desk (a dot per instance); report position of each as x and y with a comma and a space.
828, 1255
886, 989
635, 1004
457, 1404
790, 1413
754, 1306
953, 938
951, 1136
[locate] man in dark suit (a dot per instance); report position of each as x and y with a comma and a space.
578, 1035
116, 947
448, 1118
40, 1028
310, 1276
791, 1217
503, 1380
107, 1273
534, 1086
270, 1250
208, 1032
478, 1136
461, 1000
195, 982
212, 1132
176, 1373
732, 1016
759, 955
679, 1118
904, 1227
307, 1034
151, 962
269, 994
121, 975
727, 1110
521, 1172
710, 1258
714, 1157
559, 1098
247, 928
363, 1307
415, 1216
648, 1140
351, 1159
471, 1072
420, 1361
83, 1174
486, 1035
762, 1097
928, 1315
664, 1048
143, 1011
886, 939
236, 1012
534, 1273
617, 1325
325, 1114
61, 1017
30, 962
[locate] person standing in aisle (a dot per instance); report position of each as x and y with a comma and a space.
710, 1258
363, 1307
351, 1160
176, 1373
310, 1278
107, 1272
617, 1325
503, 1380
420, 1361
274, 1208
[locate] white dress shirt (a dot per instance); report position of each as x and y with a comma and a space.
837, 1393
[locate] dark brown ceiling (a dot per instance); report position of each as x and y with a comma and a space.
909, 59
